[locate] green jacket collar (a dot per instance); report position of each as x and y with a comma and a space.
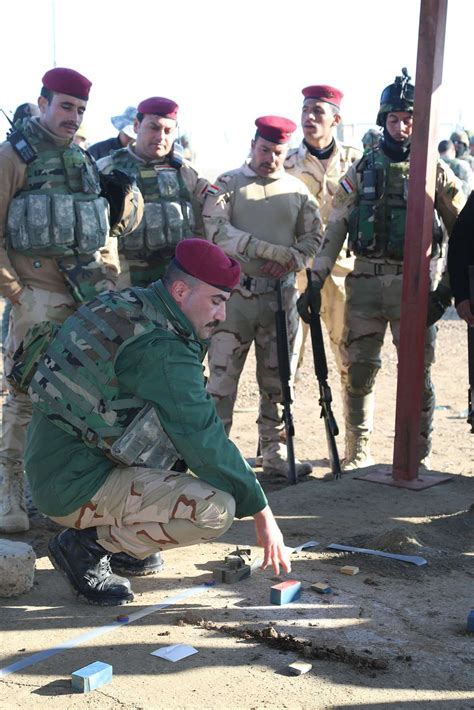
172, 311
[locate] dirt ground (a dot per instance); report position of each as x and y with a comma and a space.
393, 636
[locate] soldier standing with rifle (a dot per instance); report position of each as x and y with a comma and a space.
270, 223
370, 207
461, 276
320, 161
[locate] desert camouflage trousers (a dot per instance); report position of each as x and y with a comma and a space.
333, 302
35, 305
251, 319
142, 511
373, 302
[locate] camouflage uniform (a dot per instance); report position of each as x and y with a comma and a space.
140, 511
461, 144
118, 397
173, 193
374, 288
462, 171
255, 219
38, 277
322, 178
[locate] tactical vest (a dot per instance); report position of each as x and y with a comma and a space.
377, 224
168, 217
59, 210
76, 388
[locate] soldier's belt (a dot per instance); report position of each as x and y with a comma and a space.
259, 284
376, 269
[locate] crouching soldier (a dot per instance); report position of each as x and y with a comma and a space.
119, 398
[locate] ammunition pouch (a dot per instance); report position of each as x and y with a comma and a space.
49, 224
168, 216
144, 443
362, 229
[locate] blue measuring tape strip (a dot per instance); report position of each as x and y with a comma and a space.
100, 631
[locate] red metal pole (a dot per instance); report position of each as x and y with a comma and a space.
419, 225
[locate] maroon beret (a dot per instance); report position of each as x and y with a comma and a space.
207, 262
159, 106
67, 81
322, 92
275, 128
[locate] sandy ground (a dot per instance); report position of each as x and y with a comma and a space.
394, 636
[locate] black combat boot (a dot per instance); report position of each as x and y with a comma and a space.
122, 563
78, 555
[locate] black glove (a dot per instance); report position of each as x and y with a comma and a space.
309, 302
125, 201
439, 300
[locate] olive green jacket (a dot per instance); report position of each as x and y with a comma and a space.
164, 369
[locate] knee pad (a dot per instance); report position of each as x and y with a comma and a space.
361, 378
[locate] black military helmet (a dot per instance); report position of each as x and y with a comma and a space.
398, 96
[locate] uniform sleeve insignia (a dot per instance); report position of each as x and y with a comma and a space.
346, 185
212, 190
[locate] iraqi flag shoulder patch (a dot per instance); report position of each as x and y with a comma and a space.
212, 190
346, 185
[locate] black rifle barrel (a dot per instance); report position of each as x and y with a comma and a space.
470, 355
284, 370
325, 395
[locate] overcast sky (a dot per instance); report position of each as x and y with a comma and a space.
226, 63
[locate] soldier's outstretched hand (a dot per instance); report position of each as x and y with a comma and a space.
269, 536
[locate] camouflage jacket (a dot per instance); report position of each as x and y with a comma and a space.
463, 171
195, 184
255, 219
322, 179
17, 269
449, 200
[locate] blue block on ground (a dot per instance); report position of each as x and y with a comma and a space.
91, 677
470, 621
321, 588
285, 592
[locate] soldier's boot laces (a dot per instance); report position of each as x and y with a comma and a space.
13, 513
357, 453
86, 565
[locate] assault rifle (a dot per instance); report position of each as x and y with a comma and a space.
470, 355
325, 395
285, 378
